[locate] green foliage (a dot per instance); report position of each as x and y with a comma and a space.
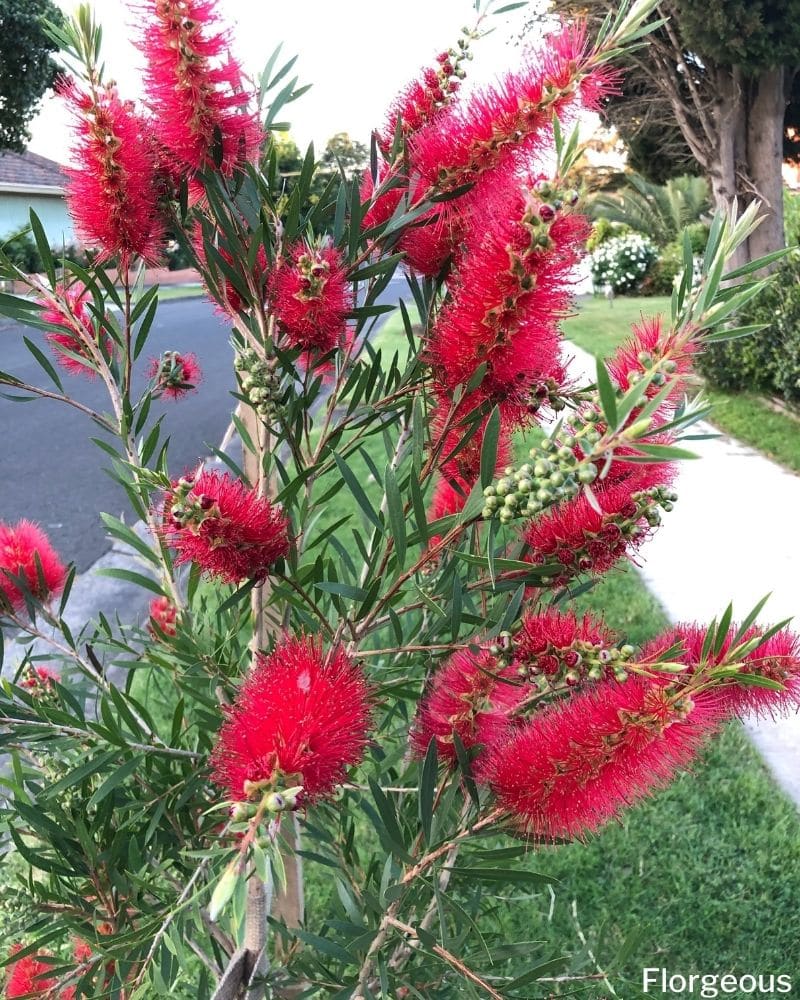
23, 251
660, 212
769, 360
603, 230
791, 217
753, 34
27, 68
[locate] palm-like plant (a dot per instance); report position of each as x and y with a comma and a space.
660, 211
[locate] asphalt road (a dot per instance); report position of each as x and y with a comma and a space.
52, 473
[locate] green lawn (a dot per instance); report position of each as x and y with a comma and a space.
600, 327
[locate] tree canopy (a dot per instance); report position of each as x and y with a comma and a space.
27, 67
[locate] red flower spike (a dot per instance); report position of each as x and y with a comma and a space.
226, 528
471, 696
300, 718
195, 87
113, 195
311, 297
175, 374
561, 645
579, 539
27, 976
652, 346
164, 615
511, 289
777, 659
509, 121
79, 332
39, 680
582, 761
26, 553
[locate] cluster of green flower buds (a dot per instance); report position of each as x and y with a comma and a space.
188, 508
650, 503
265, 799
552, 474
260, 382
663, 369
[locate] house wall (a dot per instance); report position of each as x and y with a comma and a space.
51, 209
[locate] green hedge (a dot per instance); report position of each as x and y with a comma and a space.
768, 361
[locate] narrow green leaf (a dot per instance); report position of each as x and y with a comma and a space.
427, 790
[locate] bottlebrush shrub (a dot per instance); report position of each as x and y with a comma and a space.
357, 647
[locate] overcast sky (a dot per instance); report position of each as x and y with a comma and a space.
352, 85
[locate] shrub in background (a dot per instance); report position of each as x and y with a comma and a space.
622, 262
769, 359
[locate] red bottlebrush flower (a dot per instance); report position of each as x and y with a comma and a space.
311, 297
163, 618
776, 659
579, 763
460, 469
472, 696
175, 374
511, 289
195, 87
420, 102
113, 195
231, 301
578, 538
652, 346
300, 718
79, 332
26, 553
562, 646
225, 527
383, 202
27, 976
82, 952
40, 679
509, 120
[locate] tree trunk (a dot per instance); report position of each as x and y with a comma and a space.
766, 111
729, 154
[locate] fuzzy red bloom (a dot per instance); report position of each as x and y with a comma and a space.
559, 644
649, 346
231, 301
164, 615
113, 195
470, 696
301, 717
575, 538
225, 527
460, 466
511, 288
26, 553
79, 332
777, 659
311, 297
40, 679
582, 761
175, 374
420, 102
27, 976
509, 120
384, 194
195, 87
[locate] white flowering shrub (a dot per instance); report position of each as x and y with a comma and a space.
622, 262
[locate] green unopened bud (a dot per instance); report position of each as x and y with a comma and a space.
275, 802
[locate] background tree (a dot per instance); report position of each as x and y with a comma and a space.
713, 86
343, 153
27, 68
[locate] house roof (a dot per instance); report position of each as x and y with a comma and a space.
29, 173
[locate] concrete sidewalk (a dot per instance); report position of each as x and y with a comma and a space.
734, 535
